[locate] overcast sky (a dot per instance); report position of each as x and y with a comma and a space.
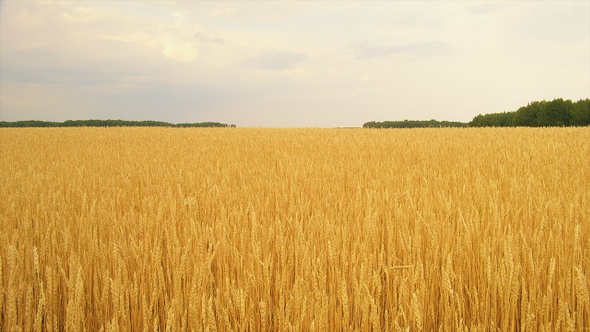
288, 64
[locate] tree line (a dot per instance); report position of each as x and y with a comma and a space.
413, 124
108, 123
557, 112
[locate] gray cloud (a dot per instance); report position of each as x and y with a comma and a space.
363, 50
275, 60
206, 39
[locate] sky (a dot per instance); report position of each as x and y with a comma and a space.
288, 64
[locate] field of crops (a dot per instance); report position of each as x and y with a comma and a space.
235, 229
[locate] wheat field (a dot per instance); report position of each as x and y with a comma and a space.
245, 229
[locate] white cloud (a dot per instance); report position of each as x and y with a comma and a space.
367, 78
170, 46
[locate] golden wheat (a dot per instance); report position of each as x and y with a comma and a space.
132, 229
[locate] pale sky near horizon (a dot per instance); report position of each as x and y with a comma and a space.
288, 64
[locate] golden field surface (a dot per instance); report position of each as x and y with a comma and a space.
244, 229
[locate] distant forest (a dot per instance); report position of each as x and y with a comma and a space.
555, 113
108, 123
413, 124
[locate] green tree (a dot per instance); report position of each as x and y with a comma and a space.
526, 115
553, 113
580, 113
